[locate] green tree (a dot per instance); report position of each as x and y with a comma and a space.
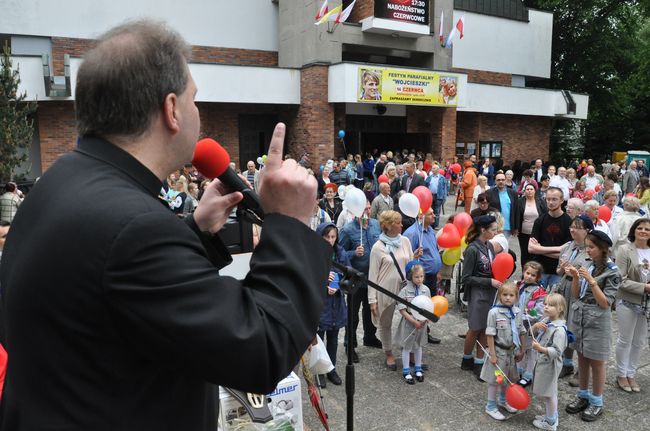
594, 52
16, 124
639, 90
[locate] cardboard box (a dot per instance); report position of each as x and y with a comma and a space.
287, 396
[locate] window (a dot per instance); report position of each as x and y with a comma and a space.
491, 149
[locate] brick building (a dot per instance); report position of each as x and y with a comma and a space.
264, 61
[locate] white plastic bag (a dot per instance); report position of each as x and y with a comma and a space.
319, 361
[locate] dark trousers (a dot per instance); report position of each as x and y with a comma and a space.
431, 281
369, 330
331, 340
437, 205
523, 246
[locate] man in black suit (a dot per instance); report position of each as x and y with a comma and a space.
116, 316
411, 180
504, 199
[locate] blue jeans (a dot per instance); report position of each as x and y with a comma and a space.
437, 205
549, 280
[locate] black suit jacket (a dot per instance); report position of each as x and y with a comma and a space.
417, 181
116, 316
495, 202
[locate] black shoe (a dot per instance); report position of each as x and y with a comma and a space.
333, 377
433, 340
524, 383
477, 372
322, 381
577, 405
567, 370
419, 377
373, 343
467, 364
591, 413
408, 378
355, 357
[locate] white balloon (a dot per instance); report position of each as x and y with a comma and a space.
355, 200
425, 303
410, 205
342, 191
260, 161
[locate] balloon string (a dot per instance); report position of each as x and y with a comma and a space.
496, 365
530, 326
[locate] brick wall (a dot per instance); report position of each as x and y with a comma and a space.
312, 129
57, 130
524, 137
440, 123
362, 9
485, 77
200, 54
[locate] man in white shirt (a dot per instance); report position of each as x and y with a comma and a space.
592, 179
561, 182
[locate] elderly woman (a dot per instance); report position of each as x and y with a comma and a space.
591, 210
482, 187
530, 208
621, 226
575, 207
610, 200
510, 182
633, 260
487, 170
323, 180
388, 259
571, 177
572, 253
479, 288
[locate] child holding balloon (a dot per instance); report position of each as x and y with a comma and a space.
506, 344
531, 304
411, 333
552, 334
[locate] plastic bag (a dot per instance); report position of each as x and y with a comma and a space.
319, 360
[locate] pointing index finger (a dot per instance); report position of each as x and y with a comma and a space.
274, 157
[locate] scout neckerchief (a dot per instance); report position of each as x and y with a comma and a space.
522, 298
583, 282
513, 324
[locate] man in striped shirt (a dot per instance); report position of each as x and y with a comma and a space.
252, 174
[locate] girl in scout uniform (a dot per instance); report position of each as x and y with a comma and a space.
411, 334
505, 336
529, 290
552, 335
594, 290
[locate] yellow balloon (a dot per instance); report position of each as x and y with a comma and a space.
451, 256
463, 243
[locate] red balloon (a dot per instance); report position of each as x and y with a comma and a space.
590, 193
441, 172
462, 221
424, 197
383, 179
598, 188
517, 397
450, 237
456, 168
631, 195
604, 213
502, 266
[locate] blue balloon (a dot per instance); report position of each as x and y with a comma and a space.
341, 134
321, 168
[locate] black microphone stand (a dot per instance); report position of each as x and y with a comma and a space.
352, 281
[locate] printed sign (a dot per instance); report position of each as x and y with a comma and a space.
413, 11
407, 87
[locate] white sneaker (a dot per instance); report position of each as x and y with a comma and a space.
543, 425
508, 407
495, 414
540, 417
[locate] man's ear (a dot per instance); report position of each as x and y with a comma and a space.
169, 113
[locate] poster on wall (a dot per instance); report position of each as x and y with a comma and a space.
407, 87
412, 11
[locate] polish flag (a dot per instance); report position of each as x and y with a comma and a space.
343, 16
442, 19
460, 25
322, 11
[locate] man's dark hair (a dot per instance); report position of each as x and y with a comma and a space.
4, 223
123, 81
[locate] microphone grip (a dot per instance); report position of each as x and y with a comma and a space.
251, 201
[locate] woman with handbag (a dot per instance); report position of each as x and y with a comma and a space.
479, 288
633, 260
388, 259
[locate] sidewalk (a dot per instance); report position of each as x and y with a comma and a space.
452, 399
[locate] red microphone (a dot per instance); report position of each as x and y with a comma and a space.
213, 161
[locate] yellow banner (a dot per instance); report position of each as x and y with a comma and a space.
407, 87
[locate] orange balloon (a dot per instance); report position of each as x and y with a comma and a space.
440, 305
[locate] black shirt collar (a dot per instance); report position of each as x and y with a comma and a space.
103, 150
